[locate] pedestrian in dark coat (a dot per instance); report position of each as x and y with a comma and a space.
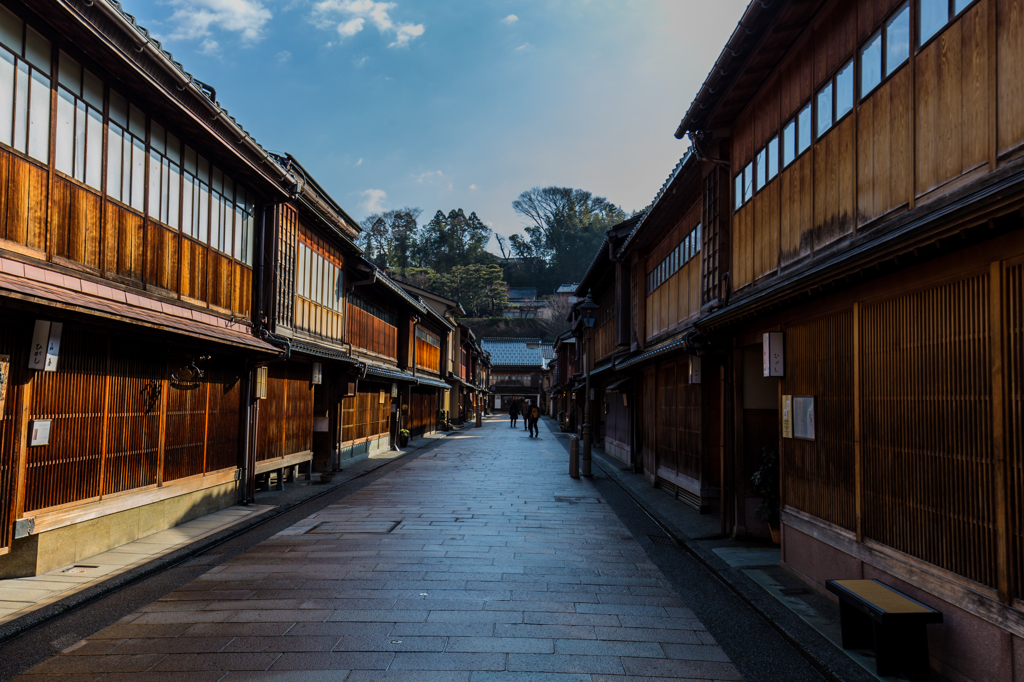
513, 412
532, 417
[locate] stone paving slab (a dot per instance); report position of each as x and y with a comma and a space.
481, 562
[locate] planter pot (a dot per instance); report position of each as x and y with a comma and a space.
403, 441
776, 534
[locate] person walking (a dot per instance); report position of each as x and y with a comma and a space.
526, 413
513, 412
532, 417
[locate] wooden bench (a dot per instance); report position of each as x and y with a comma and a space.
281, 465
875, 616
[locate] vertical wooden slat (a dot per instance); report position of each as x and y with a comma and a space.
999, 463
858, 463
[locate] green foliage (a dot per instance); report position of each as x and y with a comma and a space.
454, 239
566, 228
389, 239
480, 288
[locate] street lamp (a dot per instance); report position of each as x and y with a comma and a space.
587, 309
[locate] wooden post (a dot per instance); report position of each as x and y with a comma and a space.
858, 457
740, 518
1000, 475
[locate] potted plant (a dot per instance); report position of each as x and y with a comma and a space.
766, 483
403, 438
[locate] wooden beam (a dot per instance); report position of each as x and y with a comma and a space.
858, 456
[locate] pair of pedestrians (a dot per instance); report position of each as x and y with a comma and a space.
531, 417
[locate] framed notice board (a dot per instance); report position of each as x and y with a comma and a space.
803, 417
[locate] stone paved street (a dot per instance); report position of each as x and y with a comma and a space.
479, 560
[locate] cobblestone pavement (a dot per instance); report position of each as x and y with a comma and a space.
481, 560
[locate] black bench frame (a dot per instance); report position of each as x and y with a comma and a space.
899, 640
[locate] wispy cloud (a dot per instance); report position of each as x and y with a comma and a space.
359, 162
284, 56
349, 17
473, 186
525, 47
360, 61
510, 19
429, 177
373, 200
198, 19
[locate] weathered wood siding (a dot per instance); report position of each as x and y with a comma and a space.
674, 299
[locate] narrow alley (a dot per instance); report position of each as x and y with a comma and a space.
479, 559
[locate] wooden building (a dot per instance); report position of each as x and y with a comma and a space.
516, 369
851, 227
130, 201
470, 377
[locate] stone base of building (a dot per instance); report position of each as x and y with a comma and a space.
979, 639
618, 450
73, 535
363, 449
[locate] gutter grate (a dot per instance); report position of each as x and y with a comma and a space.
662, 540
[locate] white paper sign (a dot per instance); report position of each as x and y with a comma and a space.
40, 341
40, 432
53, 346
771, 348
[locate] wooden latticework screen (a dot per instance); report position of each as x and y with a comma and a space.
679, 421
714, 250
422, 412
927, 427
819, 474
13, 345
286, 416
1013, 345
365, 415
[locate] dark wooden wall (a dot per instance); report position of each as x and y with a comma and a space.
951, 113
423, 406
677, 301
365, 415
369, 332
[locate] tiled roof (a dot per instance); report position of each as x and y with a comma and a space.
567, 288
513, 352
522, 293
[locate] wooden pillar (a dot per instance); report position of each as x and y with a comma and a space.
1000, 478
738, 484
858, 457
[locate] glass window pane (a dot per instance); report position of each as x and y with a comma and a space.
804, 129
138, 200
114, 162
64, 158
39, 118
21, 108
156, 137
70, 73
11, 28
202, 212
789, 143
80, 119
190, 160
92, 90
203, 170
959, 5
844, 91
762, 169
94, 149
217, 184
748, 182
37, 50
773, 158
871, 65
173, 192
237, 250
897, 39
137, 122
933, 16
187, 223
153, 207
739, 191
6, 94
824, 109
696, 239
173, 149
118, 109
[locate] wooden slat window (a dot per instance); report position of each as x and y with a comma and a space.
927, 427
712, 241
286, 416
428, 350
371, 327
819, 474
365, 415
24, 87
1013, 345
885, 51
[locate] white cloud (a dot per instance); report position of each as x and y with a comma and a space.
525, 47
510, 19
197, 19
359, 162
358, 62
373, 200
284, 56
473, 186
429, 177
349, 17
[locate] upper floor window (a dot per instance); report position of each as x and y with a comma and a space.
164, 175
796, 136
79, 141
835, 99
687, 248
933, 15
885, 51
126, 152
319, 279
24, 87
386, 316
424, 335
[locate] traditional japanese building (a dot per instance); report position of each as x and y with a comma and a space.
516, 368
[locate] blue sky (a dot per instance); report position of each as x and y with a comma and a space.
444, 104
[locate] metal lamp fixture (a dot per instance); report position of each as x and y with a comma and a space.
587, 309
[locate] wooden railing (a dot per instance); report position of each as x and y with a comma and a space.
371, 333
